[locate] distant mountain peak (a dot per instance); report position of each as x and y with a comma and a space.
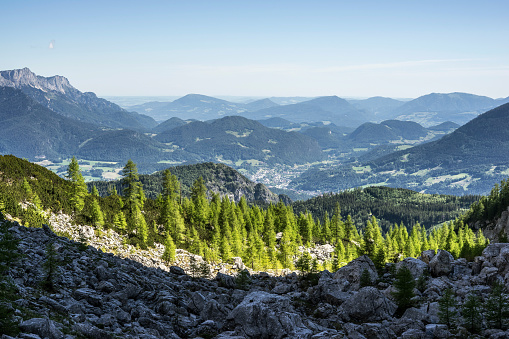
18, 78
193, 98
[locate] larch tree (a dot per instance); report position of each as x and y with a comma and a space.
97, 215
169, 249
132, 184
78, 190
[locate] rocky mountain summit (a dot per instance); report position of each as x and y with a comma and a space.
93, 294
19, 78
57, 94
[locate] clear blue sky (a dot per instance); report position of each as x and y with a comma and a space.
263, 48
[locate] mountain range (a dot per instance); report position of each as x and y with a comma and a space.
62, 121
57, 94
471, 159
435, 108
428, 110
237, 139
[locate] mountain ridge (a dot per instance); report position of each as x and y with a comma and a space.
57, 94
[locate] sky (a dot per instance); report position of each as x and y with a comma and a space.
399, 49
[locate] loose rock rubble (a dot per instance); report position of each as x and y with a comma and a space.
102, 295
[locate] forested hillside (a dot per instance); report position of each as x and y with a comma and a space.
469, 160
218, 178
215, 228
390, 206
237, 139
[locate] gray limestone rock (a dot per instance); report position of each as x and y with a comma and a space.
90, 331
43, 327
213, 310
441, 264
177, 270
353, 270
89, 295
369, 304
225, 280
265, 315
416, 266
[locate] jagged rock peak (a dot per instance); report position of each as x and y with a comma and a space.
25, 77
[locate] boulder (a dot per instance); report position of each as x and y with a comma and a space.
501, 259
330, 290
238, 264
43, 327
177, 270
225, 280
213, 310
369, 304
265, 315
353, 270
88, 330
441, 264
427, 255
90, 295
416, 266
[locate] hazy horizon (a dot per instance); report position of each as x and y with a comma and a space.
286, 48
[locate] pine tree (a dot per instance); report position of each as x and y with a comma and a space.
97, 215
447, 308
326, 233
200, 202
79, 189
306, 229
286, 249
226, 251
132, 184
140, 225
243, 280
8, 255
303, 264
141, 197
369, 241
497, 307
404, 285
119, 221
339, 256
169, 249
95, 192
471, 312
337, 228
381, 258
365, 279
50, 267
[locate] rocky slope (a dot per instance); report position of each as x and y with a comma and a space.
101, 295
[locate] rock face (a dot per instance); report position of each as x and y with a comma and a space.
99, 295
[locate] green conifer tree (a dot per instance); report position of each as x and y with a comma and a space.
97, 215
326, 233
132, 184
471, 312
169, 249
78, 190
337, 227
404, 289
447, 308
497, 307
95, 192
